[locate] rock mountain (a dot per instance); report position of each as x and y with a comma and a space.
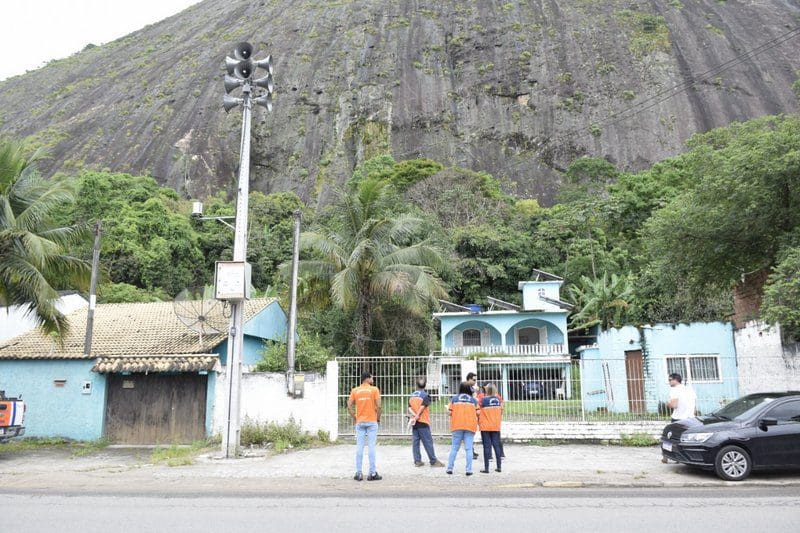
516, 88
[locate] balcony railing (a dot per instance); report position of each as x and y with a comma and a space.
510, 349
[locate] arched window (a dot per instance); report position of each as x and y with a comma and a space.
529, 336
472, 337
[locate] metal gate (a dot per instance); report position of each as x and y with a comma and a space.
396, 378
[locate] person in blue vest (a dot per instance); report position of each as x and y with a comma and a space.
419, 410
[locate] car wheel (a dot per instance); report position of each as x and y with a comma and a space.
733, 463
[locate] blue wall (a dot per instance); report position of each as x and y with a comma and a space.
604, 377
269, 324
57, 411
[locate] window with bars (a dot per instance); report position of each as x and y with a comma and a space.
472, 337
695, 368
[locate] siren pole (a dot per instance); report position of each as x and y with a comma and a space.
240, 70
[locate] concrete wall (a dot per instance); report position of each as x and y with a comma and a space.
765, 362
14, 320
57, 411
579, 430
264, 399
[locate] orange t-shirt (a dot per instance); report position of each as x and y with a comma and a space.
463, 413
420, 398
491, 413
364, 398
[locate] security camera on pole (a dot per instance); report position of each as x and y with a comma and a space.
232, 278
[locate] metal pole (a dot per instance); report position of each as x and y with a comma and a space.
231, 430
290, 342
87, 342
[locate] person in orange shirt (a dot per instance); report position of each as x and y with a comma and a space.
419, 409
491, 407
364, 406
464, 412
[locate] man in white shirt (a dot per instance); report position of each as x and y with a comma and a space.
682, 399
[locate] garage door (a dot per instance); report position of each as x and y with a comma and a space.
156, 408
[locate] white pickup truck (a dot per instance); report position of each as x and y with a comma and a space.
12, 413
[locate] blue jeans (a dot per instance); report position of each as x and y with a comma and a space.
459, 436
422, 434
491, 439
368, 431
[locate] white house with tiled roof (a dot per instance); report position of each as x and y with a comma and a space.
149, 377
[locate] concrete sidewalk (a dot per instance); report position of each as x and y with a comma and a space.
330, 469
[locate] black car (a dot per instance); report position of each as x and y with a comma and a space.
756, 432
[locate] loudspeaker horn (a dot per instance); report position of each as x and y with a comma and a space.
229, 102
265, 82
243, 50
232, 83
265, 63
265, 101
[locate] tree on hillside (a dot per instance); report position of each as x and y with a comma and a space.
367, 256
35, 252
741, 209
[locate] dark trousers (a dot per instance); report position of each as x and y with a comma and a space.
422, 433
491, 439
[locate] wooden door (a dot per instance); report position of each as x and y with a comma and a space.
634, 369
156, 408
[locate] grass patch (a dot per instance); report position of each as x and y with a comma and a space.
77, 448
177, 455
281, 437
638, 440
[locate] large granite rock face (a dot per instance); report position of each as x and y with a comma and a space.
517, 89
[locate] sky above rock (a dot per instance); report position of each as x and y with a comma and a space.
37, 32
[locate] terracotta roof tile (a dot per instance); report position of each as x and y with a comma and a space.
123, 330
171, 363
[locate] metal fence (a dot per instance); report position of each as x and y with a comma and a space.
550, 390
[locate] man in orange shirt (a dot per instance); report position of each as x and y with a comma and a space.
419, 409
364, 406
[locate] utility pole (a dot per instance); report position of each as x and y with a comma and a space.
87, 342
290, 342
240, 74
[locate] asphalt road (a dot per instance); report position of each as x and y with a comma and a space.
684, 510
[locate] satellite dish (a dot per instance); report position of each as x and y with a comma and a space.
197, 309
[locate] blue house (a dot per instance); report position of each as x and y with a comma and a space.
150, 377
626, 370
521, 348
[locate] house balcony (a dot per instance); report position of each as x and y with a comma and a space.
509, 350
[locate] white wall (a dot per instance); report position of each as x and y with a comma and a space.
14, 321
264, 399
765, 364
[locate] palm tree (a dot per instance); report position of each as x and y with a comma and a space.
368, 257
605, 301
34, 258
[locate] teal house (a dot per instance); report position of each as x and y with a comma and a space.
522, 348
150, 377
626, 370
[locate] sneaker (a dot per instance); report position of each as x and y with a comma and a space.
358, 477
437, 462
374, 477
484, 471
469, 473
419, 463
491, 458
474, 456
497, 470
449, 471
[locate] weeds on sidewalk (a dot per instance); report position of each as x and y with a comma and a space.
638, 439
177, 455
281, 437
78, 448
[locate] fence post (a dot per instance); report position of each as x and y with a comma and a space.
583, 391
332, 398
